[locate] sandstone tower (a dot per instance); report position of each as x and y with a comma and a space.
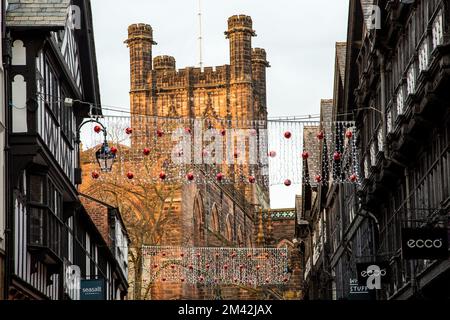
213, 215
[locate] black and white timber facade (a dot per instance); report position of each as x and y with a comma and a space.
51, 58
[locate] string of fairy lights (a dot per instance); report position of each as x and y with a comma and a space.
278, 156
159, 150
251, 267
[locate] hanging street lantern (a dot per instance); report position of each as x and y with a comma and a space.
105, 157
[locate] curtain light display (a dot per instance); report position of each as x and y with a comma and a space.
166, 150
251, 267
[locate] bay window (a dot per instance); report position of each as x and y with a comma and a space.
437, 30
44, 215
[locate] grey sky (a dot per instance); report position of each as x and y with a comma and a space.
298, 35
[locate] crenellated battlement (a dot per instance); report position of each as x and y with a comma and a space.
140, 31
259, 56
165, 63
240, 23
191, 76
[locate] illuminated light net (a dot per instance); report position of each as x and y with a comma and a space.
251, 267
267, 153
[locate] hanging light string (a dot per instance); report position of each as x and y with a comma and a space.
280, 151
252, 267
284, 141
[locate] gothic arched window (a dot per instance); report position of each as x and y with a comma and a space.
215, 219
199, 220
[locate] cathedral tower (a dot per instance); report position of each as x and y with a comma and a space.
140, 42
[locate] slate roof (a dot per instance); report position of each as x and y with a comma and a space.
37, 13
341, 55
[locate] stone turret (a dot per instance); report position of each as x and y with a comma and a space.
259, 66
164, 63
240, 33
140, 42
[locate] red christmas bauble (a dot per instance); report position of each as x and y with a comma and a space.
219, 176
97, 129
287, 135
164, 279
159, 133
190, 176
172, 266
287, 182
113, 150
320, 135
353, 178
251, 179
95, 175
207, 266
223, 132
128, 131
318, 178
225, 267
187, 130
163, 254
155, 266
305, 155
146, 151
272, 154
191, 267
130, 175
349, 134
337, 156
162, 176
182, 279
182, 255
236, 155
285, 280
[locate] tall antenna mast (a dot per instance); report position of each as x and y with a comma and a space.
200, 37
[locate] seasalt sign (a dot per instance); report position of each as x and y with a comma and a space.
92, 290
425, 243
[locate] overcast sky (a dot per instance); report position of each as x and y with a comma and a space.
298, 35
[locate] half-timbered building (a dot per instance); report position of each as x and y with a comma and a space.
394, 84
403, 113
52, 66
2, 153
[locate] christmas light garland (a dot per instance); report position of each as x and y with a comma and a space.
251, 267
202, 151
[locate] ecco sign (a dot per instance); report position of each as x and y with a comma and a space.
429, 244
425, 243
373, 274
